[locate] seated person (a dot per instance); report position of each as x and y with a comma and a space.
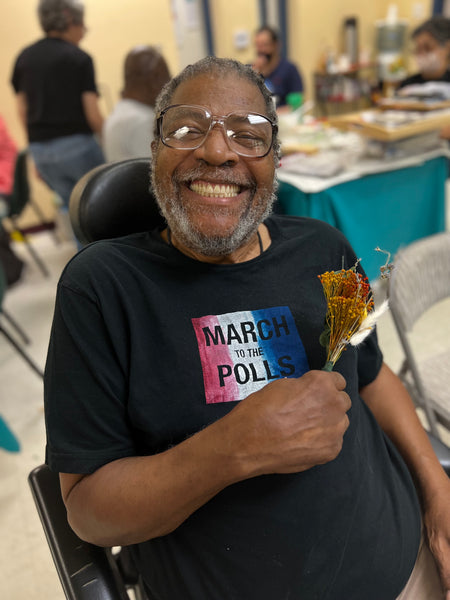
281, 76
127, 131
187, 410
8, 156
431, 53
9, 261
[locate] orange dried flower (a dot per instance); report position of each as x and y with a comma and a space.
349, 300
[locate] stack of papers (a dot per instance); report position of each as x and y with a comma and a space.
437, 90
422, 97
323, 164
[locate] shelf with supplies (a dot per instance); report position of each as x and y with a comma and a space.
344, 91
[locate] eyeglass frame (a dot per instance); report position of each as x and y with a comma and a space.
215, 120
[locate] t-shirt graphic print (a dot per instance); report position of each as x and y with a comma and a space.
241, 352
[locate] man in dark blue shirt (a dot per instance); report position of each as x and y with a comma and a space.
281, 76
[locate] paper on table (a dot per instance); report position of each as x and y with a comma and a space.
323, 164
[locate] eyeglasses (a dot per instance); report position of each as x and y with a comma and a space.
186, 127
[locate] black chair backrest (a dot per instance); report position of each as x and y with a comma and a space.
20, 194
3, 285
114, 199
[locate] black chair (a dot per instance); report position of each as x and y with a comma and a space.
111, 200
20, 198
89, 572
86, 572
5, 316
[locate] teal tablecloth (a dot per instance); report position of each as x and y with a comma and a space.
389, 209
8, 440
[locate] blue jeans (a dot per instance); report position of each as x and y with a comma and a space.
62, 161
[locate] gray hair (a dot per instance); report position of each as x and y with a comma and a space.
438, 27
221, 67
58, 15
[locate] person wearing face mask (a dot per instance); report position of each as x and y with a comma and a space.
280, 76
431, 53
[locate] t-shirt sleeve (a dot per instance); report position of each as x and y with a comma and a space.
85, 389
88, 76
16, 77
370, 359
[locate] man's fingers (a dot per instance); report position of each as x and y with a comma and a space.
339, 380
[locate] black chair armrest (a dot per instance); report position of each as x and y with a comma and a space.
114, 199
86, 572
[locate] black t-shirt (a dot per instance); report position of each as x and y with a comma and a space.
53, 74
418, 78
149, 346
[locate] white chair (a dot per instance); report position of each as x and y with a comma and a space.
419, 280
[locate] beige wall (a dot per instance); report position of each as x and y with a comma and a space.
113, 28
228, 17
317, 25
117, 25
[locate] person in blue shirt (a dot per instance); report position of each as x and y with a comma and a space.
280, 75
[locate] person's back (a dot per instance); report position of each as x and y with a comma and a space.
51, 73
57, 99
128, 130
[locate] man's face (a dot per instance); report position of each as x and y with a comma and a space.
265, 46
212, 198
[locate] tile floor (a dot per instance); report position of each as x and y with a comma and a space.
26, 568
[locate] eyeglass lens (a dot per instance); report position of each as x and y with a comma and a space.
186, 127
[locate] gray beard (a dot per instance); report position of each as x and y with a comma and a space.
214, 246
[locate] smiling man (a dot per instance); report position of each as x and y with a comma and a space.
215, 191
187, 411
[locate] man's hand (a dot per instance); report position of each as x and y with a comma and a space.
437, 526
290, 425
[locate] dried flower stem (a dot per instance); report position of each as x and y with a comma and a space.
349, 300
